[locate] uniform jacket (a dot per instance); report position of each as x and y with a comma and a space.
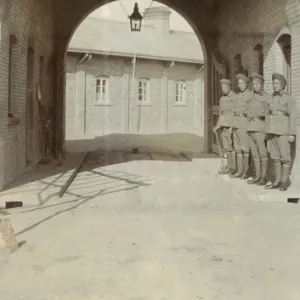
241, 108
257, 111
281, 119
227, 103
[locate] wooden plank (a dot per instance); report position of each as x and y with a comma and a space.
72, 177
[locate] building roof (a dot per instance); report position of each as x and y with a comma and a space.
110, 37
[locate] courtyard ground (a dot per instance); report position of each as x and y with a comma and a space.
149, 226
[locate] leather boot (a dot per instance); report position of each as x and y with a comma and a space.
226, 170
246, 166
233, 162
257, 171
240, 166
277, 183
263, 174
285, 177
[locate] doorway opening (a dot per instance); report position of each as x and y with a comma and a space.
135, 89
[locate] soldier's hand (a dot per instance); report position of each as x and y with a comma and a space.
291, 138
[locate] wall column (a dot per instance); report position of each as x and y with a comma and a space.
81, 102
164, 101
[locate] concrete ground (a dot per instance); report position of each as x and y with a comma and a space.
149, 226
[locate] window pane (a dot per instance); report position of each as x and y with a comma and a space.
98, 82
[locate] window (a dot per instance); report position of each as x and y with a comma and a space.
259, 58
180, 92
102, 89
143, 90
11, 70
284, 42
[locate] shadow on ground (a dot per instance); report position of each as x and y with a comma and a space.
45, 181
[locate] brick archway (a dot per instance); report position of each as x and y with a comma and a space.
225, 27
200, 27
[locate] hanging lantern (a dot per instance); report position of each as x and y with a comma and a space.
136, 19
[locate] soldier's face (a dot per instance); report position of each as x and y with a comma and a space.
225, 89
242, 85
277, 86
257, 85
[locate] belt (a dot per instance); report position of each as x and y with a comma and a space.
261, 118
239, 115
278, 113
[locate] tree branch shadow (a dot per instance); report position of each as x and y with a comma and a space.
82, 201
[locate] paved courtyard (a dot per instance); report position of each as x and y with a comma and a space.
149, 226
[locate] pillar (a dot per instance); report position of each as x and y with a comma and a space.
164, 101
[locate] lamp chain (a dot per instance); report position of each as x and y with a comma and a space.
125, 11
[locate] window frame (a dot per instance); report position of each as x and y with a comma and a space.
145, 91
181, 83
106, 99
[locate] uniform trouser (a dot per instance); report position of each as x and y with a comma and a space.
241, 140
227, 139
258, 146
280, 148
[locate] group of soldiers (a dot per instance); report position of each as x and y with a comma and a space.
255, 123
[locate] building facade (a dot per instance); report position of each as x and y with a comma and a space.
35, 36
138, 88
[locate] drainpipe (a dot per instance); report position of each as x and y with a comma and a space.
85, 57
85, 95
195, 98
132, 90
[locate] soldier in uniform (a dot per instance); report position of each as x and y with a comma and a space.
240, 134
225, 124
257, 110
281, 131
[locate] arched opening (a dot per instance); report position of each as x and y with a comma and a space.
137, 86
285, 44
237, 64
41, 97
29, 104
259, 59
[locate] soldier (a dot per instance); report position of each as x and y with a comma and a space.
281, 131
240, 134
257, 110
225, 123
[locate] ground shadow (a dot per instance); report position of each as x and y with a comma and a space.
102, 152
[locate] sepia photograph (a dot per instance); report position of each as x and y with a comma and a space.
148, 149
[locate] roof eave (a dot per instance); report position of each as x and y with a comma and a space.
143, 56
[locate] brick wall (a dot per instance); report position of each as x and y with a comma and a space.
30, 21
85, 117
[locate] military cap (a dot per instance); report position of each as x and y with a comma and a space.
225, 81
280, 78
242, 77
256, 76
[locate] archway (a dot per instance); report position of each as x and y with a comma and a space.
101, 82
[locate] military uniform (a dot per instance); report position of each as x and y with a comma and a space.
225, 123
280, 125
257, 111
240, 127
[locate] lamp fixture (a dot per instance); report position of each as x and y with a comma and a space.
136, 18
